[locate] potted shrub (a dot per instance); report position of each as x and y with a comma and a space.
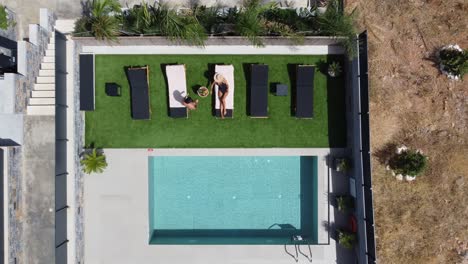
344, 203
342, 164
453, 61
334, 69
408, 162
346, 239
94, 161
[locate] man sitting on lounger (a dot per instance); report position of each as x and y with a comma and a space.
223, 91
190, 103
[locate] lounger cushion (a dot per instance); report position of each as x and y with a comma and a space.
177, 88
138, 79
305, 91
228, 72
87, 82
259, 90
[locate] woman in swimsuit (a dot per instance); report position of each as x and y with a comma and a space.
223, 91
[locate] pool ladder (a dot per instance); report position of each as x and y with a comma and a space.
297, 248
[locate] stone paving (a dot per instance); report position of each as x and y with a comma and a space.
38, 203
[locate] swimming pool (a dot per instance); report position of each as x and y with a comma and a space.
232, 199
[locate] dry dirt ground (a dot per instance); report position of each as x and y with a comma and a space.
425, 221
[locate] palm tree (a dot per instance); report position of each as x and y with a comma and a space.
338, 24
249, 24
184, 27
105, 27
94, 162
140, 19
100, 19
254, 21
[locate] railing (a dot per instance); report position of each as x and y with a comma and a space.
365, 149
61, 170
2, 236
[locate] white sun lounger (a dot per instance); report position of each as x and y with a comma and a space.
228, 72
177, 86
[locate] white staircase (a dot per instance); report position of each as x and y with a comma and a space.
42, 100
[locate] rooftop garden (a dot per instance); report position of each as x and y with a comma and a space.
106, 19
111, 125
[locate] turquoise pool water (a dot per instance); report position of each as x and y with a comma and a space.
232, 199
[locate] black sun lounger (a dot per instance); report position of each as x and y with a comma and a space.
259, 90
305, 91
139, 86
87, 82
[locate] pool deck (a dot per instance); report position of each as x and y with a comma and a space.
116, 225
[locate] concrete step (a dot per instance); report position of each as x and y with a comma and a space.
40, 110
41, 101
45, 79
47, 73
52, 38
51, 46
44, 87
49, 59
42, 94
50, 52
47, 66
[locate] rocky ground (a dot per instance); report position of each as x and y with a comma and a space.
413, 103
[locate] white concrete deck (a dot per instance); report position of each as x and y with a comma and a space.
217, 49
117, 225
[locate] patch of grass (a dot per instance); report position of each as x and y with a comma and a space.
111, 125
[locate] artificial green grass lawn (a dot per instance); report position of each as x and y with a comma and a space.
111, 125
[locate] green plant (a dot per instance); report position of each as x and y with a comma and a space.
100, 19
454, 61
207, 16
335, 23
249, 24
346, 239
409, 162
184, 27
334, 69
256, 20
345, 203
104, 27
296, 21
93, 162
3, 18
140, 19
343, 164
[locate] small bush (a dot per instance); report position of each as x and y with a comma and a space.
454, 61
3, 18
343, 164
93, 162
338, 24
346, 239
345, 203
409, 162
